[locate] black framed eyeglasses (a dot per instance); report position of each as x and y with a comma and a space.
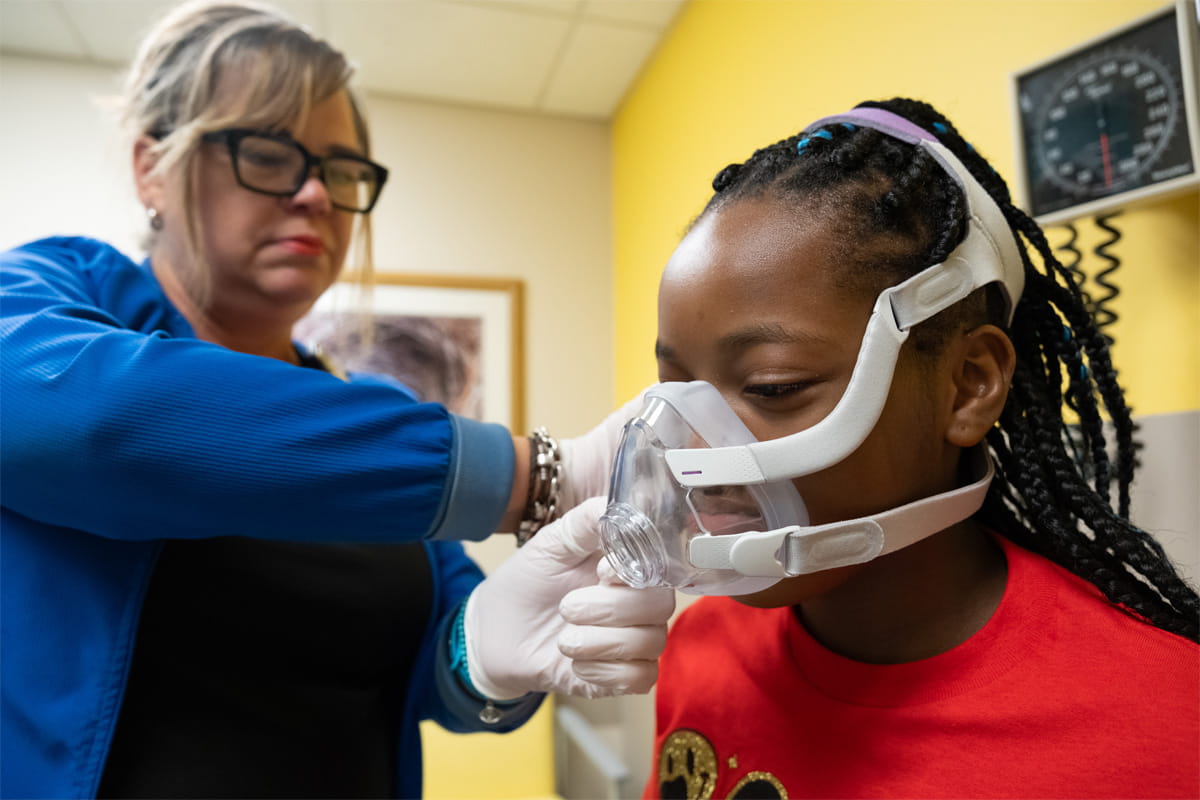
275, 164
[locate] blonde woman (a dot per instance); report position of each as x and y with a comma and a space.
228, 572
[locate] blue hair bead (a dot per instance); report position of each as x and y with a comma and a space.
821, 134
940, 127
1083, 372
1066, 334
849, 126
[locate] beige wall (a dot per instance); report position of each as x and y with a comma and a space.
472, 193
476, 193
62, 172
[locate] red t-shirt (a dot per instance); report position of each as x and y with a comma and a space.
1059, 695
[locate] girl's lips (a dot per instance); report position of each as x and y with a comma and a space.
302, 245
725, 523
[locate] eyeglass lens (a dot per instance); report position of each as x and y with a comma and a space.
278, 167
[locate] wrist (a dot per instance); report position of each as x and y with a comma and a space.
459, 664
545, 485
475, 680
519, 492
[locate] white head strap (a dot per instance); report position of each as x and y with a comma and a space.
988, 254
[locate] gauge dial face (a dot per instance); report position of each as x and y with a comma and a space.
1107, 123
1106, 120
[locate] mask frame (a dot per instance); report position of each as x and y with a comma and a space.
650, 525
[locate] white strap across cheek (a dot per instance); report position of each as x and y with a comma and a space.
824, 444
799, 550
896, 310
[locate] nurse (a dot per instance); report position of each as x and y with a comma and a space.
228, 571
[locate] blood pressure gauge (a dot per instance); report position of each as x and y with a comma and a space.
1113, 121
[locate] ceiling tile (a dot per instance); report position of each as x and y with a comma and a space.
655, 14
112, 29
37, 27
599, 64
572, 57
464, 53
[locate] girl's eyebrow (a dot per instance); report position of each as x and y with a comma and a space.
763, 333
770, 333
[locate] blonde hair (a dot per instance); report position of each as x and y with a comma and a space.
171, 92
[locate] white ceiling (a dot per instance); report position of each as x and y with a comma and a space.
560, 57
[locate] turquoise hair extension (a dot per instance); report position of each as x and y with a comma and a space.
821, 134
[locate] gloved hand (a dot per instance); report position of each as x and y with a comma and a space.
547, 620
587, 459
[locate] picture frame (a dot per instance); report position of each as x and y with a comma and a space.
458, 340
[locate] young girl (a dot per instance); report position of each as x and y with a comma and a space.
936, 595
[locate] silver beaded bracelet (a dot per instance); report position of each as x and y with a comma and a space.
545, 480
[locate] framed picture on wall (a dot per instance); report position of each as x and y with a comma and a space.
454, 340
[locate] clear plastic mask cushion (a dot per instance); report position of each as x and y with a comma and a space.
651, 520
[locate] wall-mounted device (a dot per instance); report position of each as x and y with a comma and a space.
1113, 121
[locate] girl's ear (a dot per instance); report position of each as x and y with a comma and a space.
148, 183
982, 374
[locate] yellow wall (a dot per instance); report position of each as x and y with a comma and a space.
511, 766
734, 75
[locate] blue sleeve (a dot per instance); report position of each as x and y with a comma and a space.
463, 705
116, 421
435, 691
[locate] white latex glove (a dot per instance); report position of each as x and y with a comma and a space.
545, 621
587, 460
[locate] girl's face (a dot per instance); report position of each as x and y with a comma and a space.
750, 302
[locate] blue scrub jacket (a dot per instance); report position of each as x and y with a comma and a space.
119, 429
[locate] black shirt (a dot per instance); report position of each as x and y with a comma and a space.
270, 669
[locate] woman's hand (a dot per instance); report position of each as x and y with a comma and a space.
554, 618
587, 459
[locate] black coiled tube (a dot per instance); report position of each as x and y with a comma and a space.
1101, 309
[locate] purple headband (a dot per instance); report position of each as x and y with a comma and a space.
895, 126
885, 121
988, 237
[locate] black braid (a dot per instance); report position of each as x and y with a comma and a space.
1051, 493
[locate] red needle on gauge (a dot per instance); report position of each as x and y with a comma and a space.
1107, 160
1102, 123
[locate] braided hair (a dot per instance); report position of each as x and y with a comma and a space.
899, 212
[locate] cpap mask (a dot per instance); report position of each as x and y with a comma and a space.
697, 503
